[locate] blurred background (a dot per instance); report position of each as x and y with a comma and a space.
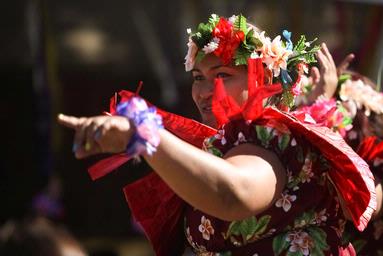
72, 56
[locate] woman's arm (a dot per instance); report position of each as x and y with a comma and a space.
243, 183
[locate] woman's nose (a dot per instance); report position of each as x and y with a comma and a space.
207, 89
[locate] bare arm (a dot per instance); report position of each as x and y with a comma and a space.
245, 182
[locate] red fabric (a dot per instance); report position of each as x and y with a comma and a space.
369, 149
350, 174
158, 209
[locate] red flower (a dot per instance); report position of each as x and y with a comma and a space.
229, 40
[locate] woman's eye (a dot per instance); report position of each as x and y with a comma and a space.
198, 78
222, 75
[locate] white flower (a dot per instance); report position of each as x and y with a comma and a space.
191, 55
285, 201
188, 31
241, 138
206, 228
221, 136
211, 46
254, 55
275, 55
232, 19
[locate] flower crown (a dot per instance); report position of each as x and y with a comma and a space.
236, 40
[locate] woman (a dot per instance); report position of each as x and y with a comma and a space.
260, 186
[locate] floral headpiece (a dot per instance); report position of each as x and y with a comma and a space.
236, 40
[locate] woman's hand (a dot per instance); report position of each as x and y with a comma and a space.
324, 79
99, 134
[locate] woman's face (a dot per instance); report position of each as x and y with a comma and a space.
204, 73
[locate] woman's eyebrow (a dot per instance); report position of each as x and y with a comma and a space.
212, 68
218, 66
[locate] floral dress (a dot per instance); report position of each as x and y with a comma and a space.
306, 219
370, 241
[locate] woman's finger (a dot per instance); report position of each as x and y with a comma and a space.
315, 75
80, 135
83, 152
91, 134
322, 59
68, 121
342, 67
327, 53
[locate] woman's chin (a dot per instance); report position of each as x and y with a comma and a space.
209, 120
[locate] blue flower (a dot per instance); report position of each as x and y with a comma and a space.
286, 79
287, 35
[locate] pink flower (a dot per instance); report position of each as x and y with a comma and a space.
306, 173
206, 228
297, 87
320, 217
299, 242
285, 201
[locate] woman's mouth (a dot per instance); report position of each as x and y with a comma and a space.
207, 109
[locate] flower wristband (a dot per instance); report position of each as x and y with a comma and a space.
147, 123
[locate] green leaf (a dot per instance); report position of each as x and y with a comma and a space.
251, 40
240, 24
215, 151
247, 227
288, 98
280, 244
233, 229
261, 225
200, 56
263, 135
241, 56
214, 19
283, 142
343, 78
316, 251
319, 237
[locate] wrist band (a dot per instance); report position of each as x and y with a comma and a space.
147, 123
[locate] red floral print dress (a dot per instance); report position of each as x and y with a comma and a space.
306, 219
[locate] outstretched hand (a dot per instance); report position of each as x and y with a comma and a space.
325, 79
99, 134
